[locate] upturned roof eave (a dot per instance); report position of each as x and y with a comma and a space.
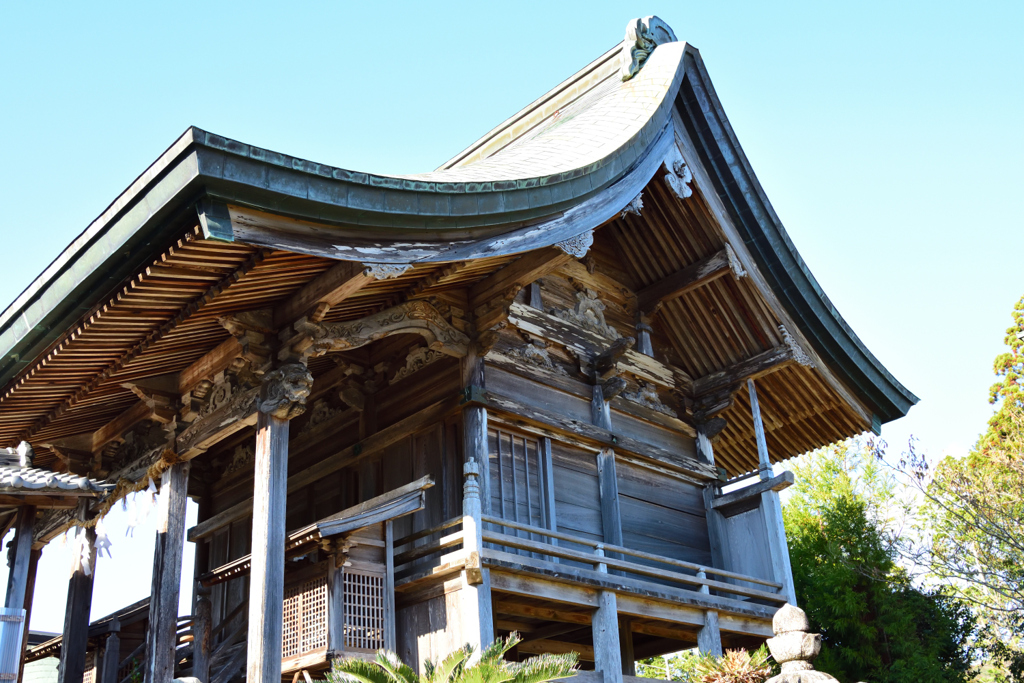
776, 256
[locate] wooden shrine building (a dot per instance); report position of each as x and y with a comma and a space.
423, 411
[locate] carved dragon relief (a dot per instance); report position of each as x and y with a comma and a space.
416, 317
588, 313
284, 391
646, 395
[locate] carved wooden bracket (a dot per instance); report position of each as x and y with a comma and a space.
284, 391
413, 317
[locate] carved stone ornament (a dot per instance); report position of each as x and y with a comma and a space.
677, 174
588, 313
284, 391
416, 361
634, 207
579, 245
642, 36
413, 317
799, 355
734, 263
647, 396
387, 271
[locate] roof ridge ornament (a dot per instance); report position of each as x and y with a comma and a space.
642, 36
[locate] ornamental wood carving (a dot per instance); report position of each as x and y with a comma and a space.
412, 317
284, 391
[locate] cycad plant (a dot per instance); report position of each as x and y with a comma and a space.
387, 667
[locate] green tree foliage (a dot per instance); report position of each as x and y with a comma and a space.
1008, 391
457, 667
735, 666
844, 542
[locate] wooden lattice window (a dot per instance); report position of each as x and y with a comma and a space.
305, 617
364, 611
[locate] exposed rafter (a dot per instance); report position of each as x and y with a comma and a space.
695, 275
751, 368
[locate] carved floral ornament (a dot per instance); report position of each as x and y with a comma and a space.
386, 271
413, 317
579, 245
642, 36
677, 174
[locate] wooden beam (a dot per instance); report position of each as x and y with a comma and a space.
347, 456
266, 575
518, 609
682, 281
531, 266
749, 497
120, 424
220, 358
161, 635
330, 287
41, 502
751, 368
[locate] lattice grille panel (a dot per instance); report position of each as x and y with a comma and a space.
364, 611
305, 617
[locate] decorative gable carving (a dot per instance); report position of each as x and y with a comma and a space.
588, 313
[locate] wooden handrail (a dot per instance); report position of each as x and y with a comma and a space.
609, 548
632, 567
428, 532
443, 543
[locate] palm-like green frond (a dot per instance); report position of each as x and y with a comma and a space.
449, 670
397, 670
358, 671
545, 668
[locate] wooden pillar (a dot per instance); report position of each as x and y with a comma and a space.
390, 616
611, 520
778, 545
716, 522
33, 564
764, 464
112, 655
605, 628
162, 634
709, 638
626, 647
202, 625
282, 397
335, 605
17, 580
600, 411
76, 614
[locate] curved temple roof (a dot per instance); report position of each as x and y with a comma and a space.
549, 175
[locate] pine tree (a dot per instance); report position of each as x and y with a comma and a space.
1008, 391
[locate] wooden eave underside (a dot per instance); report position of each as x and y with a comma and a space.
166, 318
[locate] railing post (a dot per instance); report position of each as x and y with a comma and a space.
476, 588
605, 629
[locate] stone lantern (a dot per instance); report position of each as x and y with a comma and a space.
794, 648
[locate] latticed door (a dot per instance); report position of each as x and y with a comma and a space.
364, 610
305, 617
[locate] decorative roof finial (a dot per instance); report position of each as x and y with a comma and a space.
642, 36
794, 648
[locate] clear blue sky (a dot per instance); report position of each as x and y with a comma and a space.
888, 136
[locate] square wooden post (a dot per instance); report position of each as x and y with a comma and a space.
709, 638
161, 637
76, 614
112, 655
282, 397
17, 581
605, 628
